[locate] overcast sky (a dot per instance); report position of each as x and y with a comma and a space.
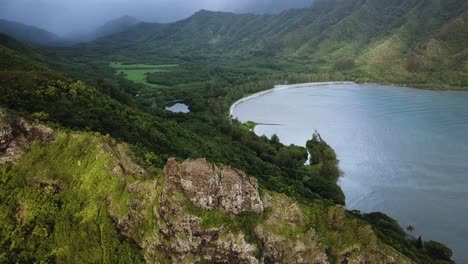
66, 16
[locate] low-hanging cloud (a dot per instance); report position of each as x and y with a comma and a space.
72, 16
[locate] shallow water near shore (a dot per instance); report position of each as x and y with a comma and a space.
403, 151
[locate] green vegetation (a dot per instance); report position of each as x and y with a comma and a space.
438, 250
389, 231
139, 73
54, 205
250, 125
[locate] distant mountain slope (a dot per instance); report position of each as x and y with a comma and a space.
418, 42
29, 34
115, 26
110, 28
269, 6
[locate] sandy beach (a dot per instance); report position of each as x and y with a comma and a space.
278, 88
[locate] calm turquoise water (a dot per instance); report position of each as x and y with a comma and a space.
403, 151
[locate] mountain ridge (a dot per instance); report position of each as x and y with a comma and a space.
29, 34
342, 35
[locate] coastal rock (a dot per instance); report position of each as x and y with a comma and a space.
215, 188
18, 134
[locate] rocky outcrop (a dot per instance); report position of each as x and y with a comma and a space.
17, 135
180, 232
124, 165
283, 236
183, 240
215, 188
192, 214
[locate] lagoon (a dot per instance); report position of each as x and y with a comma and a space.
178, 108
403, 151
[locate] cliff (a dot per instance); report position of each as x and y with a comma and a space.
78, 197
216, 214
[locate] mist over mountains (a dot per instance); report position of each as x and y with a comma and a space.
66, 18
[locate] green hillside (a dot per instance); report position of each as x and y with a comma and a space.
403, 42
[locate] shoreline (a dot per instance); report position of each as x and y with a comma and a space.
279, 88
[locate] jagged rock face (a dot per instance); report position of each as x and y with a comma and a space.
18, 134
6, 136
177, 232
213, 188
302, 248
180, 234
183, 240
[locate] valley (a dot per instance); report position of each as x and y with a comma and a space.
139, 73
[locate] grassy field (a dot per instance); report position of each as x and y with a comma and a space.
138, 72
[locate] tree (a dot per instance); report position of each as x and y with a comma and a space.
420, 243
314, 148
275, 140
329, 169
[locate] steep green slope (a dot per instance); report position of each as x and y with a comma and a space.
54, 205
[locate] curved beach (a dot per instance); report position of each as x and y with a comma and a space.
278, 88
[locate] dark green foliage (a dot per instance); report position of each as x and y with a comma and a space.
390, 232
420, 243
438, 250
13, 61
322, 155
326, 189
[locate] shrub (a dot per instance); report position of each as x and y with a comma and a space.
438, 250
